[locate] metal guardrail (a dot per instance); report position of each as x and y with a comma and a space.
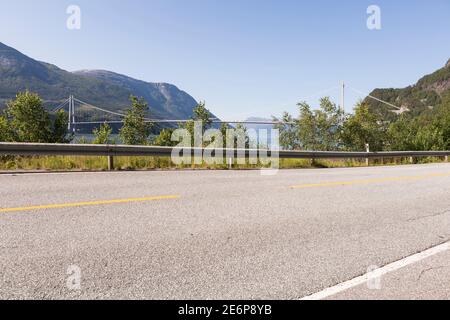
26, 149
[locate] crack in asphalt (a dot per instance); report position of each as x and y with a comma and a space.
429, 216
427, 270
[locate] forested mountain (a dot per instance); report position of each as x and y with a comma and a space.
426, 94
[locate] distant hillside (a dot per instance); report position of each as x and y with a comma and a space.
167, 99
426, 94
101, 88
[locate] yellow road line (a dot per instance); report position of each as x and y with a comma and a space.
369, 181
90, 203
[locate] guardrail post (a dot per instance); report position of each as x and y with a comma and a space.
446, 159
368, 151
110, 163
411, 160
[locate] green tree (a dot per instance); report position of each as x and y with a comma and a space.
223, 130
307, 127
320, 129
83, 140
202, 114
444, 121
60, 131
289, 132
428, 131
401, 134
102, 135
164, 139
135, 130
329, 125
242, 130
364, 127
429, 137
29, 120
5, 132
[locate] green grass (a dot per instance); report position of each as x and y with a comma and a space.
73, 163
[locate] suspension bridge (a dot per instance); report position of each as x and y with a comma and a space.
82, 113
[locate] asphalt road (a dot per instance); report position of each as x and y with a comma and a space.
223, 234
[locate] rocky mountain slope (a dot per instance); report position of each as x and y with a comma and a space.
426, 94
105, 89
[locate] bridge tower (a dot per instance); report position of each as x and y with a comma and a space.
72, 122
69, 127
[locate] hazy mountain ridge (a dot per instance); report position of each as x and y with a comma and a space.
106, 89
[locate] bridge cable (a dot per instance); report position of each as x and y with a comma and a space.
375, 98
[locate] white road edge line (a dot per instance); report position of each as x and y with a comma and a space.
344, 286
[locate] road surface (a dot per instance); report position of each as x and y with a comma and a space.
225, 234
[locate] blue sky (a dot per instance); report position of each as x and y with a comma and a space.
244, 57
